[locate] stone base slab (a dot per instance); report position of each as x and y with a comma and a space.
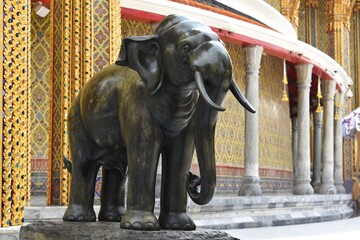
255, 211
59, 230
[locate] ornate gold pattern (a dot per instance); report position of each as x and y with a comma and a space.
2, 119
77, 53
310, 7
15, 74
319, 96
311, 3
290, 9
230, 134
66, 93
88, 43
285, 82
356, 39
28, 126
77, 42
338, 13
115, 29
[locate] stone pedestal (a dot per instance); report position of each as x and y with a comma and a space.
302, 178
250, 186
59, 230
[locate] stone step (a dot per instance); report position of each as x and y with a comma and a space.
244, 212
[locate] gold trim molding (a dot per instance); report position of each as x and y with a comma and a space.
290, 9
311, 3
356, 6
339, 12
75, 55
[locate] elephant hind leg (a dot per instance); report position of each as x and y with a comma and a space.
81, 203
112, 195
84, 171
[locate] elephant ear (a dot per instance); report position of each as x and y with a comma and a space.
142, 54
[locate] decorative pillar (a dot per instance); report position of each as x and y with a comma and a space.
328, 90
250, 185
357, 51
338, 145
295, 142
317, 150
338, 14
302, 180
85, 38
290, 9
15, 125
310, 21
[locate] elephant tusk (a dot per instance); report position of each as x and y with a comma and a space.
200, 86
240, 97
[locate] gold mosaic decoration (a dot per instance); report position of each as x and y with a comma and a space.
302, 29
83, 26
2, 119
290, 9
338, 15
133, 28
321, 28
274, 118
115, 29
356, 39
55, 135
229, 134
15, 125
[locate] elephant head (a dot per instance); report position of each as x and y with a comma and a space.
189, 56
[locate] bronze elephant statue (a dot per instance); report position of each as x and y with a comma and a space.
144, 105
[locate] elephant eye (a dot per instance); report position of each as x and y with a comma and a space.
186, 48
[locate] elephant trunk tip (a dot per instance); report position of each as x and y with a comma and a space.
200, 195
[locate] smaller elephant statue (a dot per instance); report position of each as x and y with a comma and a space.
144, 105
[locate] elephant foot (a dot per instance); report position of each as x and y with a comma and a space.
111, 214
139, 220
176, 221
77, 213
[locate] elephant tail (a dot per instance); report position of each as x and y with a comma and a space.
67, 164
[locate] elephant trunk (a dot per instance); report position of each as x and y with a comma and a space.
213, 77
201, 190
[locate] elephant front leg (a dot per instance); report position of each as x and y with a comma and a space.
143, 154
176, 162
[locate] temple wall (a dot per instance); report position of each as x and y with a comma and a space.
275, 142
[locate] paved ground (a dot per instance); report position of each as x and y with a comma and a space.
339, 230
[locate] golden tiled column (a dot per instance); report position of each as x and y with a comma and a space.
338, 16
15, 74
357, 51
72, 66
